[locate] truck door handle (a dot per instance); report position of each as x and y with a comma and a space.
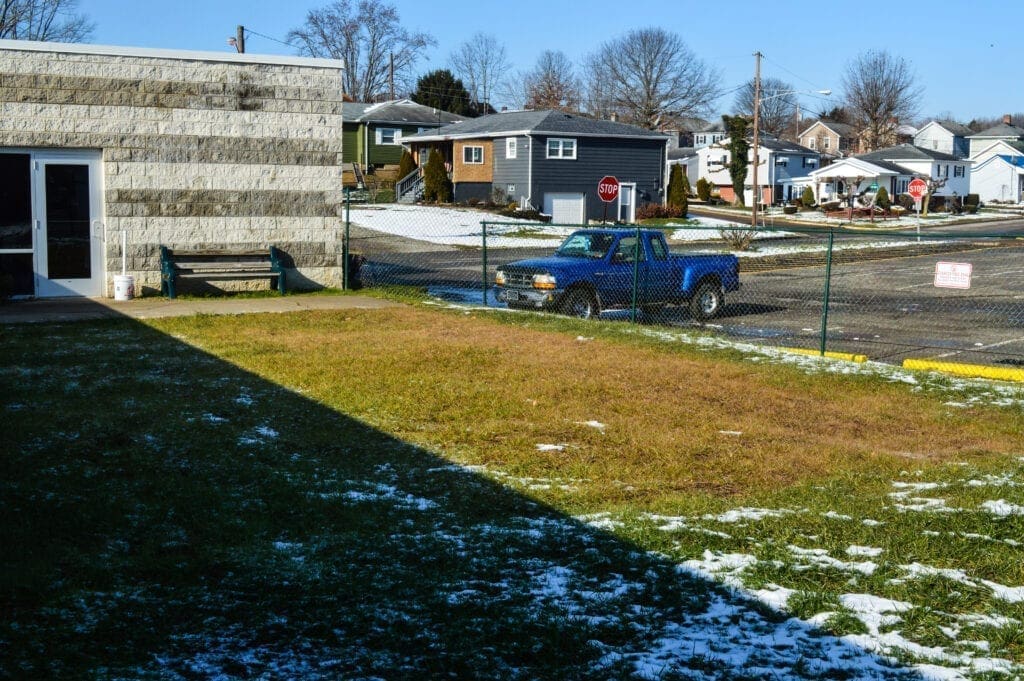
599, 274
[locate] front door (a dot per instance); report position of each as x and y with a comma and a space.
627, 202
66, 211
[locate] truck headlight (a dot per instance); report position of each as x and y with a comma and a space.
499, 278
544, 281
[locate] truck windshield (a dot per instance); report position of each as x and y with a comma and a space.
586, 245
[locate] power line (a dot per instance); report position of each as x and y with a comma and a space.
249, 30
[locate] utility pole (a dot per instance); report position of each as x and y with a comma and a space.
757, 121
391, 75
240, 39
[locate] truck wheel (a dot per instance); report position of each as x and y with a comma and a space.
581, 304
707, 302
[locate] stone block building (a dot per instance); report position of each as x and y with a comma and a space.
156, 147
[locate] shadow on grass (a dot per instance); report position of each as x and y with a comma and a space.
166, 514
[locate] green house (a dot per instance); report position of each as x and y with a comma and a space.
373, 133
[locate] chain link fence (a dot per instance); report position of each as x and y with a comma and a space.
886, 295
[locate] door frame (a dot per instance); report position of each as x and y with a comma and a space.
45, 287
624, 188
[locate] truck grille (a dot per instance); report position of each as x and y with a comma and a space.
519, 277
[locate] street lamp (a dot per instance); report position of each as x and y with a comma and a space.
757, 112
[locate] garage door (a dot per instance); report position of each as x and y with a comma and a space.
565, 209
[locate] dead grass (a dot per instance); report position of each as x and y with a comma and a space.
483, 392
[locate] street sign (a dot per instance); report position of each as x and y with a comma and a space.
953, 274
917, 189
608, 189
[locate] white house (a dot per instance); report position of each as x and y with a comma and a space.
893, 168
945, 136
782, 172
1005, 131
712, 134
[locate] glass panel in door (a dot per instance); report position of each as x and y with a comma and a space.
16, 274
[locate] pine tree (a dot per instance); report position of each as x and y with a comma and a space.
406, 164
676, 192
436, 186
807, 198
882, 199
704, 189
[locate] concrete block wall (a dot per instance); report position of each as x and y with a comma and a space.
199, 150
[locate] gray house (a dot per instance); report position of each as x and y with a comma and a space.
551, 161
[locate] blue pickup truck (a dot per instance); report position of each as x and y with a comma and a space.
593, 270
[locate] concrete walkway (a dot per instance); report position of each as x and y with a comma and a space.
76, 309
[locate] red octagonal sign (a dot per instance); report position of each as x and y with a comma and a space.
608, 189
917, 188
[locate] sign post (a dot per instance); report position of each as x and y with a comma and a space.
917, 189
607, 191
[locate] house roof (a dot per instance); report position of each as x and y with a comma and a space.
403, 111
957, 129
841, 129
549, 122
782, 146
906, 152
1001, 130
714, 126
680, 153
853, 167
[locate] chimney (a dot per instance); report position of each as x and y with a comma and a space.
1007, 119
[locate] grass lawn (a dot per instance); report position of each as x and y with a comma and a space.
413, 492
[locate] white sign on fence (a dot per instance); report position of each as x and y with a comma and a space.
953, 274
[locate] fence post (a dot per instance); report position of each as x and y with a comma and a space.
828, 291
484, 281
344, 242
636, 266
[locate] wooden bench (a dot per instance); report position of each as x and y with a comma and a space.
219, 264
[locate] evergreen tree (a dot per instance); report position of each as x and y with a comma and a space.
436, 185
738, 148
807, 197
406, 164
676, 192
882, 199
686, 184
442, 90
704, 189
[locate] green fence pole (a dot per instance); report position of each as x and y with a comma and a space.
828, 291
344, 241
636, 268
484, 235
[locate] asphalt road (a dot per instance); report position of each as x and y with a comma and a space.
888, 309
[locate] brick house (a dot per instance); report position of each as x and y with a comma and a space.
184, 149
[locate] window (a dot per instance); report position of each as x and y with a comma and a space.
389, 136
828, 143
561, 148
935, 144
811, 142
903, 184
626, 250
958, 171
658, 248
473, 155
510, 147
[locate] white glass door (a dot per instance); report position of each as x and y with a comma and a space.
627, 202
67, 214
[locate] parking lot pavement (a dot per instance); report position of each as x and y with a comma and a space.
75, 309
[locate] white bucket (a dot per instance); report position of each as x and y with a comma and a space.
124, 287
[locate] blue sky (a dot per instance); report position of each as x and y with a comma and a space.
967, 56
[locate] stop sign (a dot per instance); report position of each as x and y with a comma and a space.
917, 189
608, 189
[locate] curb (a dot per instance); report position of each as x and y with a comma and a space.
966, 370
848, 356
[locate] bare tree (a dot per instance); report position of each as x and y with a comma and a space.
552, 84
482, 65
368, 37
651, 78
47, 20
880, 91
778, 105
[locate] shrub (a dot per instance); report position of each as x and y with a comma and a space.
829, 206
807, 197
530, 214
676, 190
436, 185
405, 165
499, 197
882, 199
789, 210
972, 200
652, 211
703, 190
686, 184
